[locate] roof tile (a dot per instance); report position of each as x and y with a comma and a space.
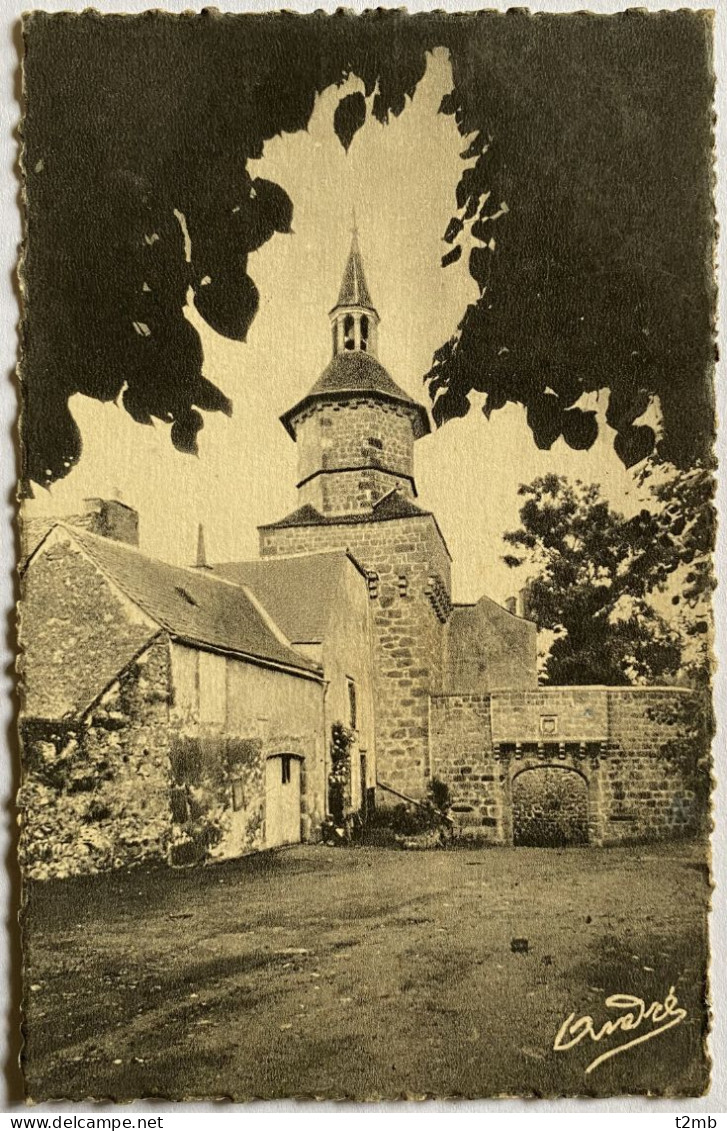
192, 604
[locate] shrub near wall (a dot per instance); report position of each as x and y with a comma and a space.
208, 773
95, 794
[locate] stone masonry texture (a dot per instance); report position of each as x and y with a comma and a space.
612, 739
406, 558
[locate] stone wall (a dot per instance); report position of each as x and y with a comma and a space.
462, 757
351, 492
347, 653
365, 432
550, 713
95, 792
644, 794
76, 630
615, 739
227, 718
409, 586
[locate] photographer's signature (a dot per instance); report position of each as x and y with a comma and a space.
633, 1015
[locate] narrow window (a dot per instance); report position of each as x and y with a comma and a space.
285, 769
403, 582
335, 337
364, 332
351, 704
238, 796
348, 332
373, 583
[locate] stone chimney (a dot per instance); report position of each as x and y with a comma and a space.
108, 518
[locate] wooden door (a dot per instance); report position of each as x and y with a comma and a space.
282, 800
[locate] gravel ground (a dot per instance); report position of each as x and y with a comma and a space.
365, 972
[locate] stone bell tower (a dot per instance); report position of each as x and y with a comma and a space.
355, 429
355, 432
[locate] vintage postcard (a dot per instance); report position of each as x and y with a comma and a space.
367, 532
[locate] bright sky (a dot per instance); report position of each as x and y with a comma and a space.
400, 178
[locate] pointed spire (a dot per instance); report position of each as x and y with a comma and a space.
201, 562
354, 290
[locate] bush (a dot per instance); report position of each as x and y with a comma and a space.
409, 819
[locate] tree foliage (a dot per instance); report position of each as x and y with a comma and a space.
602, 583
584, 203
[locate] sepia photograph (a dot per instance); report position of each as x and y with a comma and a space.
365, 554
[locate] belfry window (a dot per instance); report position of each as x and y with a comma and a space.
364, 332
349, 341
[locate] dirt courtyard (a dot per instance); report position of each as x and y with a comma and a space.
359, 973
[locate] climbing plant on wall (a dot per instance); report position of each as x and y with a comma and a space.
339, 777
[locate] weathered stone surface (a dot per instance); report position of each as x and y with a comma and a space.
77, 632
482, 745
103, 800
407, 630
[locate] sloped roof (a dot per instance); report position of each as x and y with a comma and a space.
193, 604
393, 505
354, 291
354, 372
298, 592
486, 647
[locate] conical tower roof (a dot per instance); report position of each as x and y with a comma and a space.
354, 288
356, 371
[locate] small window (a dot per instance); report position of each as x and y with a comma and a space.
348, 332
373, 583
375, 442
351, 704
364, 332
285, 769
238, 796
403, 583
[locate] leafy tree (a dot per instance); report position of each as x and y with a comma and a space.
687, 519
599, 575
584, 199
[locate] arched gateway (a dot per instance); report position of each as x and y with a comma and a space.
549, 807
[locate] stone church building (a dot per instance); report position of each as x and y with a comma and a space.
187, 713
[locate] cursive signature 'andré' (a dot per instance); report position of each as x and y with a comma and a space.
634, 1014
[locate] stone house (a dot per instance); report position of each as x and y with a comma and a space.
187, 712
164, 714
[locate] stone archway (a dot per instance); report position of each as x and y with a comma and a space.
549, 807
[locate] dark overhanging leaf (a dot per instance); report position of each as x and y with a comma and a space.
452, 256
564, 288
348, 117
579, 428
634, 443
